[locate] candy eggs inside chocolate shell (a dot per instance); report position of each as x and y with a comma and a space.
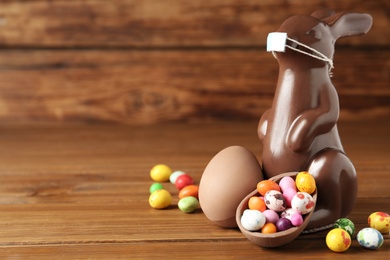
228, 178
275, 239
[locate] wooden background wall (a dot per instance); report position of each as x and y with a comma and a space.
150, 61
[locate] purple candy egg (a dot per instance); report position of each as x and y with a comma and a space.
283, 224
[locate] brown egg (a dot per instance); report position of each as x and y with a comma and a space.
228, 178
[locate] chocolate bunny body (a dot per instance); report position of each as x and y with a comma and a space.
299, 132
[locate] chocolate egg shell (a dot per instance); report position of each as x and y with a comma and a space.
228, 178
278, 238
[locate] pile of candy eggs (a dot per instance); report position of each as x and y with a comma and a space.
280, 206
160, 198
339, 238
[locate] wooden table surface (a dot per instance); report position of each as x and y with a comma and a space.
81, 191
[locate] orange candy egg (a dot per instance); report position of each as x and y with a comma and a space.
266, 185
268, 228
190, 190
257, 203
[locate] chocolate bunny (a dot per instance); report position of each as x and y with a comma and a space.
299, 132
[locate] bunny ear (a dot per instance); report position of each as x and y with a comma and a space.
322, 13
349, 24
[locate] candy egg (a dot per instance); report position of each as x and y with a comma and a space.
174, 175
258, 203
302, 202
160, 199
288, 195
155, 186
271, 216
269, 228
288, 213
296, 220
283, 224
275, 200
370, 238
160, 173
252, 220
380, 221
345, 224
183, 180
188, 204
305, 182
287, 182
189, 190
338, 240
267, 185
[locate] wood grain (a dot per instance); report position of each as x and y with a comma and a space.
148, 23
144, 87
81, 191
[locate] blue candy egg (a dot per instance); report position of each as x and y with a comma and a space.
370, 238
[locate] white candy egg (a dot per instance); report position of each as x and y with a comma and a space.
252, 220
302, 202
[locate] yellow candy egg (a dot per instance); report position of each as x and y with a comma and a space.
160, 199
338, 240
305, 182
380, 221
160, 173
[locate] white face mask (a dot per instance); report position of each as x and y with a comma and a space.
277, 42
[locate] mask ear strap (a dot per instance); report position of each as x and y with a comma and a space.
319, 55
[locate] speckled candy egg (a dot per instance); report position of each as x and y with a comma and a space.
288, 213
252, 220
305, 182
228, 178
338, 240
345, 224
302, 202
274, 200
188, 204
380, 221
370, 238
160, 199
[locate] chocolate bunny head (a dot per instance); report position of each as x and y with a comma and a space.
310, 39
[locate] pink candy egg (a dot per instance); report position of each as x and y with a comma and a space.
271, 216
288, 195
287, 183
296, 219
302, 202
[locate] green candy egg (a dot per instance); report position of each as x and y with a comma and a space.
345, 224
155, 186
188, 204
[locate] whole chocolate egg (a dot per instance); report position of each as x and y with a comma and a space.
228, 178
